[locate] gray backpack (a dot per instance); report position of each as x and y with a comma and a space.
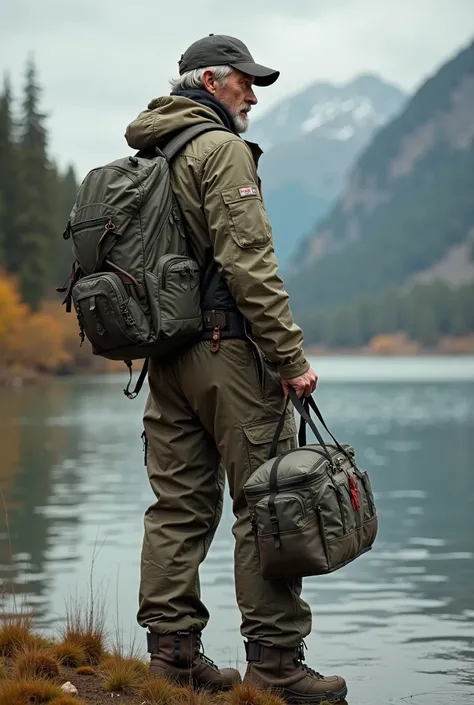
312, 508
134, 285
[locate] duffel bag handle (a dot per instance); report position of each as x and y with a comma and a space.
310, 403
305, 419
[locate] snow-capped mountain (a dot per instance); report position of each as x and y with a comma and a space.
311, 139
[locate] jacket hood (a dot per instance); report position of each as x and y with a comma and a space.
165, 117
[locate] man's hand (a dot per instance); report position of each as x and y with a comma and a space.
304, 385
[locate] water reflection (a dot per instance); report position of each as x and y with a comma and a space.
398, 622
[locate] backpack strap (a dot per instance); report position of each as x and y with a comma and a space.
181, 140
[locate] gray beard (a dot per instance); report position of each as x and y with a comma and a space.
241, 124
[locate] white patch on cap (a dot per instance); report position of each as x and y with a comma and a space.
248, 191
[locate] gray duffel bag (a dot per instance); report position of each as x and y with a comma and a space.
312, 509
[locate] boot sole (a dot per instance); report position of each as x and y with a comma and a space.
297, 698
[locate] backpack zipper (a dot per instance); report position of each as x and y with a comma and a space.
83, 225
168, 264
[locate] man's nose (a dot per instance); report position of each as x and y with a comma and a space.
251, 98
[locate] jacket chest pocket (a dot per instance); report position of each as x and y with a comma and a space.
246, 217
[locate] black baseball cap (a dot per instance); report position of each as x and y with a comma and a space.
220, 49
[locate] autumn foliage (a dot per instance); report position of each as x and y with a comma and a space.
43, 341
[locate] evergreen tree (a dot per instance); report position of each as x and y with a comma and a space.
36, 221
9, 204
65, 191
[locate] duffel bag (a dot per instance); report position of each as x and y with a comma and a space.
312, 508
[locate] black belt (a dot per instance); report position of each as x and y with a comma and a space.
230, 324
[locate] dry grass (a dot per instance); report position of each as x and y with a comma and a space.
22, 692
85, 627
85, 671
67, 700
16, 633
159, 691
70, 653
246, 694
122, 673
35, 664
188, 696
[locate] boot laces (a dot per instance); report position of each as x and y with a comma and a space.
299, 662
205, 658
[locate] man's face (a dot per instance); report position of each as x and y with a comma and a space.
238, 96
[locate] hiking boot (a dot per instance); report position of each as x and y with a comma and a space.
178, 657
283, 672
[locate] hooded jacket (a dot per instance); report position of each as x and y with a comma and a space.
215, 182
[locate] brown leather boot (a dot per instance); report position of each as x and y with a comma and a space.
283, 672
178, 657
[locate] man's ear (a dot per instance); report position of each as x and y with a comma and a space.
209, 82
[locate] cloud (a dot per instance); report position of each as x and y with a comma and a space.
101, 61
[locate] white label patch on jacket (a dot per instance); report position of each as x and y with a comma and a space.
248, 191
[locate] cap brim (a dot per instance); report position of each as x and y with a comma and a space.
262, 74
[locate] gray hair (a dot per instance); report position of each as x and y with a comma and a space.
191, 80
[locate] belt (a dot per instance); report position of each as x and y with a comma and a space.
224, 324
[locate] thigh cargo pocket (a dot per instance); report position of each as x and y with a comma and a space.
259, 437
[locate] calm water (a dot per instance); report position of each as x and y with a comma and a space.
398, 623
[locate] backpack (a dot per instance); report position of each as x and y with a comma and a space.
312, 508
134, 285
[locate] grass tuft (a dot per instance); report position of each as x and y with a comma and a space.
85, 627
188, 696
159, 691
35, 664
70, 653
85, 671
16, 633
123, 673
22, 692
246, 694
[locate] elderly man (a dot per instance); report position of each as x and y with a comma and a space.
218, 403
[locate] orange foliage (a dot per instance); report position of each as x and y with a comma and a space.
44, 341
12, 314
39, 343
392, 344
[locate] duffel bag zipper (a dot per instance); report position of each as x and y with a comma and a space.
322, 531
341, 507
292, 496
291, 482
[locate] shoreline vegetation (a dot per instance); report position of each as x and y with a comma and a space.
37, 345
85, 665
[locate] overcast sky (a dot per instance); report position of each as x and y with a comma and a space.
101, 61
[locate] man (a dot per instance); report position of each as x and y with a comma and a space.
222, 398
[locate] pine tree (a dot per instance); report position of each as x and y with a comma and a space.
65, 192
36, 220
9, 205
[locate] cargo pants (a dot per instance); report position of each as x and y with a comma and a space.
205, 412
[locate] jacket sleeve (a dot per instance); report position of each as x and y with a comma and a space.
242, 240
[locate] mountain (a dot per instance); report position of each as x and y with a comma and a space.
310, 140
407, 211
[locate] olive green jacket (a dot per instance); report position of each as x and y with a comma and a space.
216, 184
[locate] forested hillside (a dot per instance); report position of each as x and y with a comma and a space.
407, 206
35, 199
35, 196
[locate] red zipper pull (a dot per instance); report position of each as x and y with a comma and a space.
355, 501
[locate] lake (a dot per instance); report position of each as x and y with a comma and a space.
398, 623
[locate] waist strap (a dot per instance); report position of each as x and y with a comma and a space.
230, 324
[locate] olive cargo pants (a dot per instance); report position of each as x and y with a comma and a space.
204, 408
